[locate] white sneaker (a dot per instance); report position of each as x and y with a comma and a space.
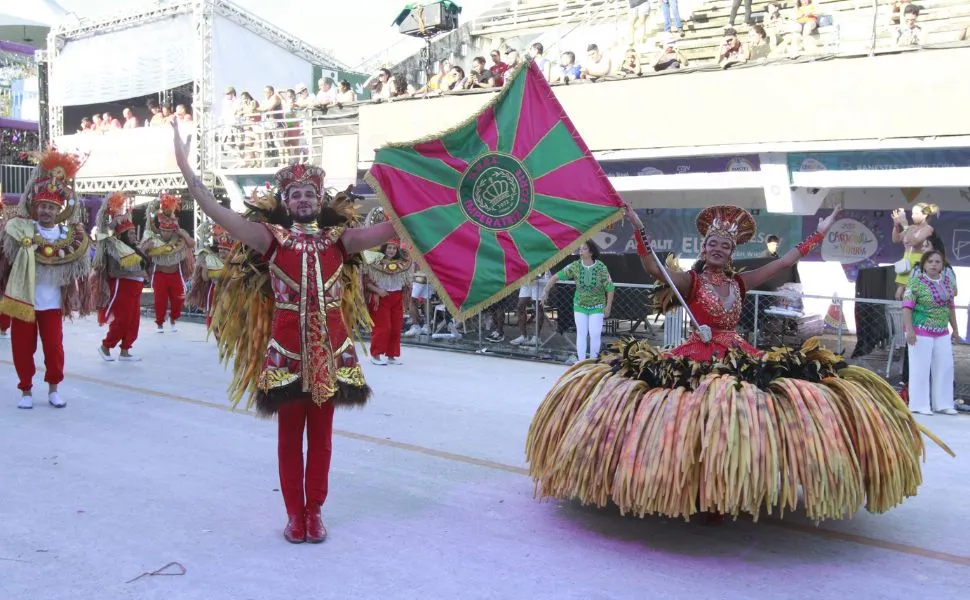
55, 400
174, 328
425, 330
394, 361
519, 340
948, 411
160, 329
379, 360
26, 402
415, 330
105, 356
129, 358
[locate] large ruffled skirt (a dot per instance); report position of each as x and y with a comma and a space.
659, 434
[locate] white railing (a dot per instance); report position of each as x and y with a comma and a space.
14, 178
274, 142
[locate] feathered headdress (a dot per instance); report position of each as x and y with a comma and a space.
168, 206
299, 174
54, 178
731, 222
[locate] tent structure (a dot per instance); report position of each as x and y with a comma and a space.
29, 22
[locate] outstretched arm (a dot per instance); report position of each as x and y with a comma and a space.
248, 233
648, 259
358, 240
754, 279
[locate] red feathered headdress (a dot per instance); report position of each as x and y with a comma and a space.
731, 222
54, 181
299, 174
168, 206
119, 208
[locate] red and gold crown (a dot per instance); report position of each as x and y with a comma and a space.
168, 207
54, 178
731, 222
299, 174
119, 212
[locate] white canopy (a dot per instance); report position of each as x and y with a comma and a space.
29, 21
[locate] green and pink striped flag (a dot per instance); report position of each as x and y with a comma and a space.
501, 197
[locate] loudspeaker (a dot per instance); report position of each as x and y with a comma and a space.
429, 20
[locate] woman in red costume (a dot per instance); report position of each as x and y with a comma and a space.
210, 264
715, 426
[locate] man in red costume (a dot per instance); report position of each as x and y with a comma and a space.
170, 249
310, 365
119, 278
44, 266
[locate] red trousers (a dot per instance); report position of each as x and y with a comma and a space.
388, 318
304, 491
4, 322
23, 342
169, 291
123, 313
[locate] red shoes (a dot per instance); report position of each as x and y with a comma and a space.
295, 531
316, 532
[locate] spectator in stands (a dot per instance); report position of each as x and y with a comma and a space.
327, 93
167, 114
910, 34
346, 93
433, 86
498, 68
454, 81
86, 125
598, 66
400, 88
480, 77
806, 15
157, 118
568, 69
758, 44
303, 98
182, 114
109, 122
671, 12
131, 121
780, 29
544, 64
495, 316
732, 51
747, 12
639, 10
899, 6
512, 58
630, 67
670, 56
248, 115
380, 85
227, 118
291, 126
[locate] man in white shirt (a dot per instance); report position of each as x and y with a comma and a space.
45, 263
327, 94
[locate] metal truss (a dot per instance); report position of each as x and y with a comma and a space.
138, 184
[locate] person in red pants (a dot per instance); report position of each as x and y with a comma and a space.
303, 251
4, 319
170, 248
385, 280
44, 267
118, 278
210, 263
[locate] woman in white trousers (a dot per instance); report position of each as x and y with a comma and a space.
930, 322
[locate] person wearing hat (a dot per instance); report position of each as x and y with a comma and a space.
290, 307
670, 56
385, 280
210, 264
118, 277
170, 249
44, 267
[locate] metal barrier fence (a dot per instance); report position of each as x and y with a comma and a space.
867, 332
14, 178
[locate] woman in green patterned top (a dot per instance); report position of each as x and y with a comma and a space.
930, 322
593, 298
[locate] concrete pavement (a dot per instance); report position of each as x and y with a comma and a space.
429, 499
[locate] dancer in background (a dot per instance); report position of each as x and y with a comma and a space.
385, 279
210, 263
44, 268
170, 248
592, 301
714, 425
118, 277
285, 313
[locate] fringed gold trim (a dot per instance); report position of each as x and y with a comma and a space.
127, 262
17, 310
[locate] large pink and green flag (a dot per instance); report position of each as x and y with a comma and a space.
494, 201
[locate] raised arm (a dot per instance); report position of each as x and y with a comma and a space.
754, 279
648, 259
251, 234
